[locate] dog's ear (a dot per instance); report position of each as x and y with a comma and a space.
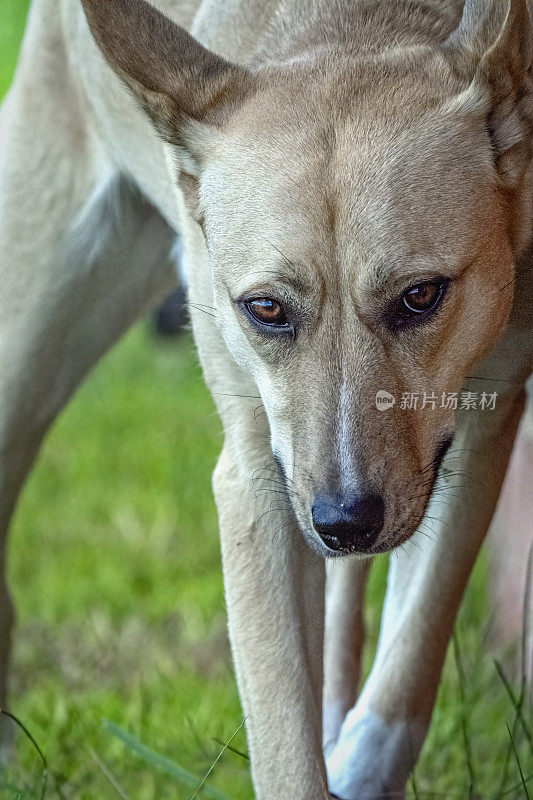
493, 49
181, 85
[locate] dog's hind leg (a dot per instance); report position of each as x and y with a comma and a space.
511, 548
81, 256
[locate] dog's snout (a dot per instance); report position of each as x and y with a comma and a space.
349, 524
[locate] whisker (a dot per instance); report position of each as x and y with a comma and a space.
203, 305
267, 490
287, 260
270, 510
199, 308
517, 274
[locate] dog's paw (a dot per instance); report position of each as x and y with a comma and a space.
372, 759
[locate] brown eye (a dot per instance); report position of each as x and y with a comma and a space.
267, 312
423, 297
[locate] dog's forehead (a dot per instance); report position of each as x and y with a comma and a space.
328, 190
419, 188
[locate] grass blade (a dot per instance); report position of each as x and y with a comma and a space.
162, 762
232, 749
515, 787
522, 779
517, 702
217, 759
464, 723
109, 775
27, 734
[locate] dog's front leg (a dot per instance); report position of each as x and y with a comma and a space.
382, 736
274, 592
344, 641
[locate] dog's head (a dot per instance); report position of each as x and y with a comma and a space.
363, 213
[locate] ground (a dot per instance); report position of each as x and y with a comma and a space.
115, 571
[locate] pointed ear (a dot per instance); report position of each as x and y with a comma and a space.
176, 79
493, 49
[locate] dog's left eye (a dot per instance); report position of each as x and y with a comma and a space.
422, 298
267, 312
418, 302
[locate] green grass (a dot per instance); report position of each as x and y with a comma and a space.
115, 570
12, 19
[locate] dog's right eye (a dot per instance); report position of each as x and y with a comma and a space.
267, 313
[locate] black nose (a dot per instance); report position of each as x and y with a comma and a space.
349, 524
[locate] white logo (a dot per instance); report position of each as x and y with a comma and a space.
384, 400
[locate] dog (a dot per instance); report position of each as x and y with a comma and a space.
350, 186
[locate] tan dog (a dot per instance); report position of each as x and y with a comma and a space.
351, 185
